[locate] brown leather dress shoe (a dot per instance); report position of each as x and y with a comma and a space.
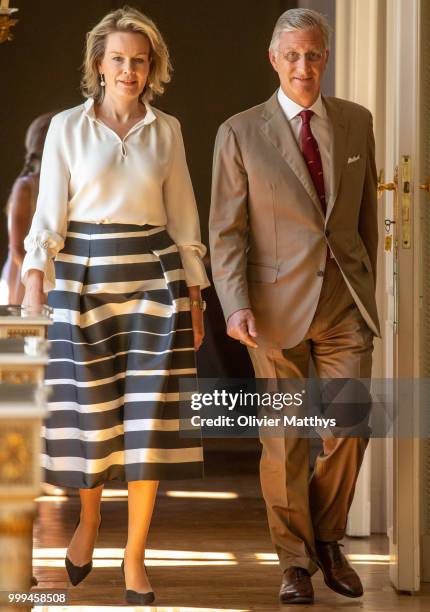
296, 587
338, 574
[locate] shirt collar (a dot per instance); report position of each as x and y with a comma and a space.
292, 109
148, 118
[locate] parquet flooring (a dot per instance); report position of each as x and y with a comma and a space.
205, 554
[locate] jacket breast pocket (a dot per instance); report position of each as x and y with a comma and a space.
355, 164
258, 273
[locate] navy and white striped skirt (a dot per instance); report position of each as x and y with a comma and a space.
120, 342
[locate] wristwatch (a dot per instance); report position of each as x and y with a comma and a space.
198, 304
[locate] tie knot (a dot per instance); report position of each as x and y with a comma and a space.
306, 116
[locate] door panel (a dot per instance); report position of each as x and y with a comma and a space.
402, 282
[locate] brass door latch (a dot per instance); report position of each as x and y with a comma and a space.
386, 186
406, 202
425, 186
388, 242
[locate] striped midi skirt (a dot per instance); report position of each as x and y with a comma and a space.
120, 342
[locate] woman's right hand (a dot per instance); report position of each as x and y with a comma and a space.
34, 296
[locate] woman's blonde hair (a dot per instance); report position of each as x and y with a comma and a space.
126, 19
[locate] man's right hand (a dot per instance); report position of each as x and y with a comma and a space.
241, 326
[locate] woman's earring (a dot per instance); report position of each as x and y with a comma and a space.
102, 80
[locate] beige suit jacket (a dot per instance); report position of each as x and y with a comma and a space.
268, 234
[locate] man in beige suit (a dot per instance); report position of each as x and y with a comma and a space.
293, 245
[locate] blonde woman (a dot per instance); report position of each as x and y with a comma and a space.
116, 242
21, 205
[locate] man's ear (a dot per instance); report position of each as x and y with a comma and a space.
273, 60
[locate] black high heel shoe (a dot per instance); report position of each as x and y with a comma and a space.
77, 573
133, 597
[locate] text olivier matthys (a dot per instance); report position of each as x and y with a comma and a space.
224, 400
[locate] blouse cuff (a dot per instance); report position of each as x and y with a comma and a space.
195, 273
41, 248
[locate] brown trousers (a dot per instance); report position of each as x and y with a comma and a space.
300, 509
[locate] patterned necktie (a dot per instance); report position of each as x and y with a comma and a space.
312, 156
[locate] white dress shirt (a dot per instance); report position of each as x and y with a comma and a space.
89, 174
321, 129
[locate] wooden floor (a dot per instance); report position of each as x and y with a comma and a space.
206, 553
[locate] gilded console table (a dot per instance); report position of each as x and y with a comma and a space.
23, 396
18, 321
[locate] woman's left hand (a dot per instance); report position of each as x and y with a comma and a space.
197, 317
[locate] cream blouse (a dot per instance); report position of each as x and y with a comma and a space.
89, 174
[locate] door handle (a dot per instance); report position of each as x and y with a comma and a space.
386, 186
425, 186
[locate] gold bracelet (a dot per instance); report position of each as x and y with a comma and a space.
201, 304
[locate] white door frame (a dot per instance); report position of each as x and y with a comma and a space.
402, 138
385, 80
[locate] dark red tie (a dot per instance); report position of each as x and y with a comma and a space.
311, 153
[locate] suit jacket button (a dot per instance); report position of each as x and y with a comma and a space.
320, 273
327, 233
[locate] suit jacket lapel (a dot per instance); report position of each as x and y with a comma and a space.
276, 128
338, 122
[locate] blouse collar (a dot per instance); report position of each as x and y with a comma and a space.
148, 118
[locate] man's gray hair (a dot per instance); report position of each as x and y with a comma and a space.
297, 19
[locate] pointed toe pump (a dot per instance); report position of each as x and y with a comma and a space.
138, 599
77, 573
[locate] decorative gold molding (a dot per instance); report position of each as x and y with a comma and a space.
16, 525
6, 23
16, 455
19, 331
20, 375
